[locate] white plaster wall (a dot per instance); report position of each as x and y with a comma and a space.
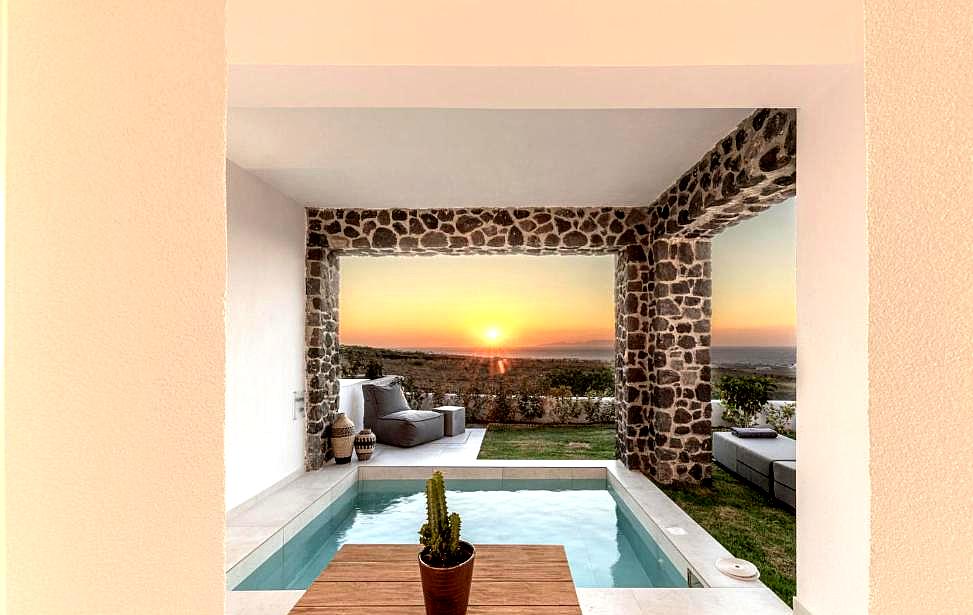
351, 400
264, 336
832, 353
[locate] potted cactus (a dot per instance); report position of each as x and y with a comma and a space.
445, 562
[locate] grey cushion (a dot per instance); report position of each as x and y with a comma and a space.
409, 427
785, 482
382, 396
786, 495
785, 473
753, 432
760, 454
725, 450
412, 416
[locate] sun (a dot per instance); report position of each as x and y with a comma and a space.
492, 335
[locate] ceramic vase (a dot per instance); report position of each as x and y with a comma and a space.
342, 437
364, 444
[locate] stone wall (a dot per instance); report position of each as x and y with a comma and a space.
662, 284
538, 230
679, 331
633, 351
321, 346
749, 170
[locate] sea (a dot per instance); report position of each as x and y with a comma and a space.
770, 357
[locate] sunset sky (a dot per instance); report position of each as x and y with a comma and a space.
515, 301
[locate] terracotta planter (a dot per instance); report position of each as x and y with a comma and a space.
364, 444
342, 437
446, 591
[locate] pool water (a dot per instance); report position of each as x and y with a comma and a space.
606, 546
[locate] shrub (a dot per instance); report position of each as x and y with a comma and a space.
352, 360
474, 401
529, 405
374, 369
600, 410
779, 416
565, 408
581, 381
503, 410
743, 397
413, 394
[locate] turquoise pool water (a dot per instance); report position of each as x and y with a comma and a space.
605, 544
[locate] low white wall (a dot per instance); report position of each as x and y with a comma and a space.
552, 410
264, 336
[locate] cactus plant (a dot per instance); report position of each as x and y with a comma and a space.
440, 533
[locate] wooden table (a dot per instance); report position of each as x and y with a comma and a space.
384, 579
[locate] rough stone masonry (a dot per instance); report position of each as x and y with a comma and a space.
662, 284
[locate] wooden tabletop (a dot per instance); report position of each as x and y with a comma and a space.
384, 579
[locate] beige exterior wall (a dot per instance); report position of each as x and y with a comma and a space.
918, 88
544, 33
114, 216
115, 271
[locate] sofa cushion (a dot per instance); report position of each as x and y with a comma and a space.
413, 416
785, 473
409, 427
383, 396
760, 454
725, 449
753, 432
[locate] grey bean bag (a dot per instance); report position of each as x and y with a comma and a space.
388, 415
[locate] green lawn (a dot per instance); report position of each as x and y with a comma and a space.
548, 442
742, 518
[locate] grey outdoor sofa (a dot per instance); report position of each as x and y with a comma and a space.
388, 415
768, 463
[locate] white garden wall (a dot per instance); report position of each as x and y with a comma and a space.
264, 337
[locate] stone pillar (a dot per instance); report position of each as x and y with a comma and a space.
321, 344
633, 292
680, 409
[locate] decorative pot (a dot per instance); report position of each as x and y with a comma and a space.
446, 591
364, 444
342, 437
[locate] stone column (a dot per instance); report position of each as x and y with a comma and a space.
680, 409
633, 292
321, 343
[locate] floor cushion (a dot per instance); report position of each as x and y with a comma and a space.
409, 427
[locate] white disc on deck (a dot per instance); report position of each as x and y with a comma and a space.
737, 568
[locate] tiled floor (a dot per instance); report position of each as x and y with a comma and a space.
263, 526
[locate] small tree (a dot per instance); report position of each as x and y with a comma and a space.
373, 369
744, 397
565, 410
530, 406
503, 410
779, 416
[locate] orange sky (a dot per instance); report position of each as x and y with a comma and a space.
513, 301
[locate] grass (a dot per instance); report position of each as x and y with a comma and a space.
749, 523
743, 519
548, 442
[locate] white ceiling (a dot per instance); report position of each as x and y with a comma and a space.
333, 157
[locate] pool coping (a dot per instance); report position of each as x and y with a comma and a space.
685, 542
